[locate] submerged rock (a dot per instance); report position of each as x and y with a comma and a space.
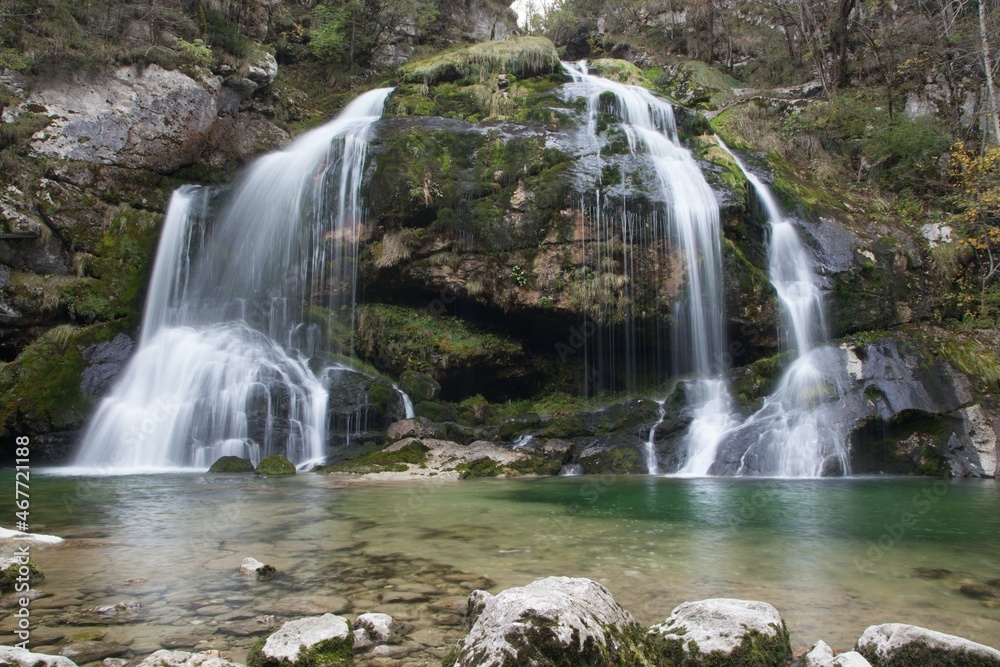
92, 651
10, 655
164, 658
900, 645
253, 567
723, 631
316, 640
557, 620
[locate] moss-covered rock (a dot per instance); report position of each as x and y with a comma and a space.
316, 641
231, 464
419, 386
435, 411
899, 645
553, 622
612, 460
14, 571
722, 633
275, 465
395, 458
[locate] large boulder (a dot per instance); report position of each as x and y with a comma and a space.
721, 632
557, 620
275, 465
316, 640
900, 645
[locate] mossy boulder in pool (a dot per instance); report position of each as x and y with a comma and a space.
12, 568
231, 464
419, 387
900, 645
552, 621
306, 642
722, 632
275, 465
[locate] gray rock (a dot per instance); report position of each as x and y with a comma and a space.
251, 567
380, 627
263, 71
257, 626
900, 645
573, 621
164, 658
304, 640
723, 629
10, 655
106, 362
821, 655
157, 120
83, 652
362, 641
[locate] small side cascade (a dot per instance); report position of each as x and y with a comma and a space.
652, 465
797, 432
222, 362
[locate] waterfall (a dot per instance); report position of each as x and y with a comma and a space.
222, 363
693, 226
798, 431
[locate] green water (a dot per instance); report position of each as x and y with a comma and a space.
834, 556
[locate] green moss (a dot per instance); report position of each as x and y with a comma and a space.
419, 387
918, 653
275, 465
973, 358
231, 464
755, 650
534, 464
614, 461
523, 56
752, 383
40, 390
435, 411
482, 467
619, 70
568, 426
328, 653
395, 461
9, 576
410, 339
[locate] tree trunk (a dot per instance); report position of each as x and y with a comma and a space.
994, 104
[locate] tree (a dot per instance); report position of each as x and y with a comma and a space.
994, 104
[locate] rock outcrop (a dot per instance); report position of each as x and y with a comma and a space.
900, 645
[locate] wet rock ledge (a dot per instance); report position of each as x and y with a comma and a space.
574, 621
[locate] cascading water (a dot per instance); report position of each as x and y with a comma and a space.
693, 226
797, 432
221, 366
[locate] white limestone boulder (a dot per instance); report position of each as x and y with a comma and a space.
723, 631
900, 645
315, 640
554, 620
11, 655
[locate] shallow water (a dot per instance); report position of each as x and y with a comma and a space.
834, 556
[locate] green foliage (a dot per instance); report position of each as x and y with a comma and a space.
197, 52
410, 339
225, 34
482, 467
973, 358
40, 389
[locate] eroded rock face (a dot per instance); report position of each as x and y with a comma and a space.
571, 621
900, 645
723, 631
